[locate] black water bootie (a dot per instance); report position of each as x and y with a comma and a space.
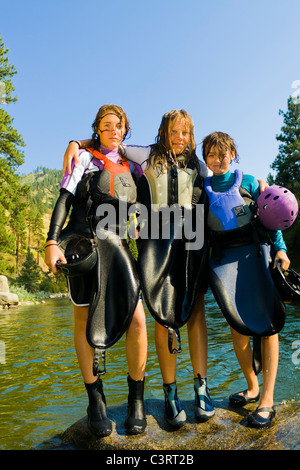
255, 420
242, 398
135, 422
98, 422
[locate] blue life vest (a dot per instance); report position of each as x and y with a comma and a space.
228, 210
232, 217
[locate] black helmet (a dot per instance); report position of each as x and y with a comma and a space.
80, 253
287, 283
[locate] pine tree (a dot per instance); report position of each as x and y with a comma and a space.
10, 140
287, 166
19, 201
11, 157
30, 273
287, 162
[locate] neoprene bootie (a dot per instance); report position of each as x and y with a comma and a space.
135, 422
174, 413
98, 422
204, 409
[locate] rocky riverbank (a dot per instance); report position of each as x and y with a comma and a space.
7, 299
227, 430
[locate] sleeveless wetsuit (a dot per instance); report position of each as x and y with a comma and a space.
169, 272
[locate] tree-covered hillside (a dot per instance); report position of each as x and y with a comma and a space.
23, 260
44, 187
25, 202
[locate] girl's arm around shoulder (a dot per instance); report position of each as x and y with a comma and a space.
71, 180
72, 153
137, 154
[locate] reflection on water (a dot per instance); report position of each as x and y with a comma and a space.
42, 392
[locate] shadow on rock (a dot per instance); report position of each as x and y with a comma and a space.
227, 430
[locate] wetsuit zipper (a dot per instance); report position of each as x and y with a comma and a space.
172, 186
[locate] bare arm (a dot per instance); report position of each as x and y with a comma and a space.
53, 254
285, 262
262, 185
72, 153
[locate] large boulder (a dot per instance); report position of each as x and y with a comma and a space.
4, 287
6, 297
227, 430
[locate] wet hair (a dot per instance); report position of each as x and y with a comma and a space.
222, 142
103, 111
162, 154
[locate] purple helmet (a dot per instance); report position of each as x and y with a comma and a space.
278, 208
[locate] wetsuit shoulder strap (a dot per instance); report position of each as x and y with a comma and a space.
238, 178
109, 164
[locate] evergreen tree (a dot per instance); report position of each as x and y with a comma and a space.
30, 273
11, 157
287, 166
10, 140
37, 226
287, 162
18, 221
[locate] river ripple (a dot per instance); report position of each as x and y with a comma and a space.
42, 392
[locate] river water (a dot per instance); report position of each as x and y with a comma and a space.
41, 390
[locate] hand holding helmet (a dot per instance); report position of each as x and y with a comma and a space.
54, 255
80, 255
287, 283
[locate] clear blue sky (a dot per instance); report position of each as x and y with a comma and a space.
230, 63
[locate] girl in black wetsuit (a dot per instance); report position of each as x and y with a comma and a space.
110, 128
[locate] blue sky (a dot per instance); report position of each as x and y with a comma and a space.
231, 64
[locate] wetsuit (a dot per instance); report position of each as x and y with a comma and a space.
239, 267
169, 272
77, 191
